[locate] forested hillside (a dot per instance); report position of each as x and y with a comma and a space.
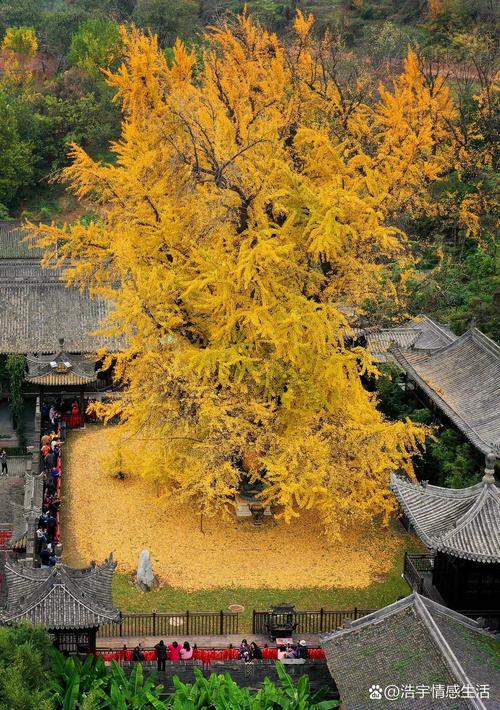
53, 93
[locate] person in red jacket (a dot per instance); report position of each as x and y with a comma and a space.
174, 652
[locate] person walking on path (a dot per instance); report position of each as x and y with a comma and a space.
3, 460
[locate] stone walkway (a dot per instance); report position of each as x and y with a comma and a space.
149, 642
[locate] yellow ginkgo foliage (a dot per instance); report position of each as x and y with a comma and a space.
20, 40
246, 202
19, 45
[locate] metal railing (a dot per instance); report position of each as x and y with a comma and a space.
311, 621
193, 623
415, 567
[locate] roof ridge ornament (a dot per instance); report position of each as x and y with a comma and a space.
489, 469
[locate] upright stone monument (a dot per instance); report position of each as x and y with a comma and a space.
145, 577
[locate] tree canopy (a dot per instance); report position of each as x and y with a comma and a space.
252, 196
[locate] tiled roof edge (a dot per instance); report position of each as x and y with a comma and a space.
466, 429
445, 650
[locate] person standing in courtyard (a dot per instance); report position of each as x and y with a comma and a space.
245, 654
186, 651
3, 460
282, 652
161, 655
138, 653
255, 651
302, 650
174, 652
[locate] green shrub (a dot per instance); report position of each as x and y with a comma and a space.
25, 671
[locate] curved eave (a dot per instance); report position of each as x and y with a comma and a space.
439, 544
59, 379
426, 539
98, 621
464, 555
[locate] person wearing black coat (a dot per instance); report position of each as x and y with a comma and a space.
161, 655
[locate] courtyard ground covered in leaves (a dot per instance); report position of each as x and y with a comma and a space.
229, 561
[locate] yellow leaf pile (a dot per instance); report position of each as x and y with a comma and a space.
101, 514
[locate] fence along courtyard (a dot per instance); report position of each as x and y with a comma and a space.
222, 623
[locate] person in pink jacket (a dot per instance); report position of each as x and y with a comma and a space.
186, 651
174, 651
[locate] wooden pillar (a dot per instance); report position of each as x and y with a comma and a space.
82, 403
92, 641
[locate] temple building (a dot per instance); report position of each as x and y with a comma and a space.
61, 371
461, 528
70, 603
56, 327
462, 379
457, 376
421, 333
38, 308
415, 654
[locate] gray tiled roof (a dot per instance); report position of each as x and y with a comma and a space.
36, 306
463, 522
33, 495
420, 332
463, 379
13, 242
60, 367
59, 597
413, 642
37, 309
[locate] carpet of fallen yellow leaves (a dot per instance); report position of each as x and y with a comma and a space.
101, 514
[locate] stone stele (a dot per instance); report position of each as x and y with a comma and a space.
145, 577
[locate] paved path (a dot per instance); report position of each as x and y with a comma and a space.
201, 641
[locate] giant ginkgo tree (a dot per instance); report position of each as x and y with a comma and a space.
251, 195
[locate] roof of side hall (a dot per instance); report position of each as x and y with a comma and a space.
420, 332
463, 379
37, 308
59, 597
463, 522
414, 643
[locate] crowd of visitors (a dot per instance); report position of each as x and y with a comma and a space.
51, 442
293, 651
173, 652
249, 652
246, 652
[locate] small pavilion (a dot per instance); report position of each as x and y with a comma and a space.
422, 653
461, 527
61, 372
70, 603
